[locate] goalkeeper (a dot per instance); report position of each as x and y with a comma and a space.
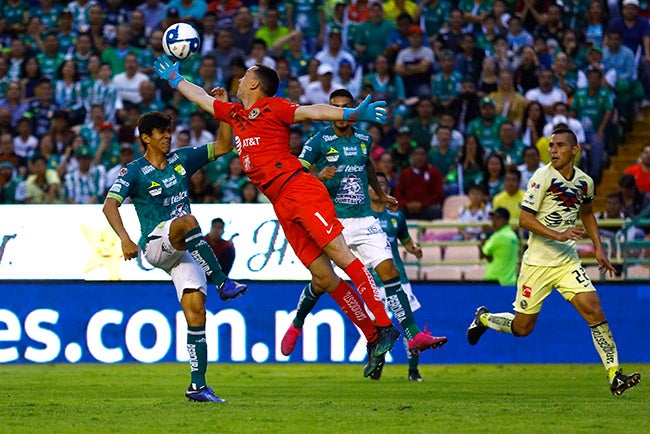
261, 124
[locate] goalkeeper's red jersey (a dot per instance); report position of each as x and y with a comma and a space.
262, 140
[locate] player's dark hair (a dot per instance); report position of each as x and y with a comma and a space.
217, 220
153, 121
268, 78
342, 93
573, 140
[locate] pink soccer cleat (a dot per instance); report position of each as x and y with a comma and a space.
424, 340
290, 339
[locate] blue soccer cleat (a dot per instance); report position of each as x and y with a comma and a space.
230, 289
202, 394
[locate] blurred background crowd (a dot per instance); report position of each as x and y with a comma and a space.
474, 88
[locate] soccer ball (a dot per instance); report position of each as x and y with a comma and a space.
181, 41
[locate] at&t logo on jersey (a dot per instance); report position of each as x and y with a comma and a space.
240, 143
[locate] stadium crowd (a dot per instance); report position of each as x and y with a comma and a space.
473, 87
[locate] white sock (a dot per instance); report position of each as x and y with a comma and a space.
501, 322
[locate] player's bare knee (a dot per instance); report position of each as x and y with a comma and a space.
317, 288
195, 317
187, 222
521, 331
386, 270
522, 327
324, 283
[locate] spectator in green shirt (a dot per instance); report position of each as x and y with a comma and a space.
371, 36
501, 250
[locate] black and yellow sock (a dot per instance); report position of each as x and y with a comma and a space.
606, 347
398, 302
197, 348
202, 253
308, 300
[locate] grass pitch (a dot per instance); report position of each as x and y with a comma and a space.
317, 398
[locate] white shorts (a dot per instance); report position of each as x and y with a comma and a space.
185, 272
367, 240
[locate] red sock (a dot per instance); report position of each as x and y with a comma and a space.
353, 308
368, 290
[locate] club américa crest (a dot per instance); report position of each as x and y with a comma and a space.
254, 113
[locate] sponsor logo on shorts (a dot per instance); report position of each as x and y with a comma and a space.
526, 290
523, 304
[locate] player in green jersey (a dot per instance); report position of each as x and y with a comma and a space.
171, 238
339, 153
394, 225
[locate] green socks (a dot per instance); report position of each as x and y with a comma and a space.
204, 256
197, 348
308, 300
398, 303
414, 359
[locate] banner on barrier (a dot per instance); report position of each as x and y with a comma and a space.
70, 322
75, 242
